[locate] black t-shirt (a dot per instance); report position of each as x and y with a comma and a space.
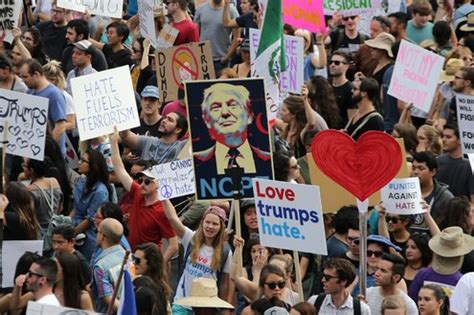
354, 262
86, 272
457, 174
98, 60
246, 21
343, 95
363, 125
117, 59
379, 74
340, 41
147, 130
13, 229
54, 39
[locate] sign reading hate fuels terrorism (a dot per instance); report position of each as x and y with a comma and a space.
103, 100
285, 217
465, 111
402, 196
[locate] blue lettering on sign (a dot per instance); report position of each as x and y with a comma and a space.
210, 188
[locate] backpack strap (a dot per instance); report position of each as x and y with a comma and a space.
356, 306
340, 38
224, 255
362, 124
319, 301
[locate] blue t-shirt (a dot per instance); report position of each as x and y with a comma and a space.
419, 34
56, 109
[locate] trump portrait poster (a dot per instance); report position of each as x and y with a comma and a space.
230, 136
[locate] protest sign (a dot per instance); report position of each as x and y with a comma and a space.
237, 120
147, 21
11, 253
35, 308
167, 37
465, 111
307, 14
285, 217
182, 63
351, 7
416, 75
10, 11
71, 5
175, 179
27, 117
103, 100
471, 161
72, 159
402, 196
110, 8
292, 78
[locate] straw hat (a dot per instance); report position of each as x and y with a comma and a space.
451, 242
382, 41
452, 66
469, 26
203, 295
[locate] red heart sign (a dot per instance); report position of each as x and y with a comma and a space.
361, 167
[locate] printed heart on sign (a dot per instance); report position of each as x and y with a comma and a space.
14, 130
22, 143
28, 134
35, 149
39, 133
361, 167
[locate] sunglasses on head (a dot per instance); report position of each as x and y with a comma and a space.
142, 180
354, 240
376, 253
352, 17
136, 260
394, 220
273, 285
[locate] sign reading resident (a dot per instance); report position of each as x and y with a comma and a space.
27, 117
11, 253
182, 63
350, 7
292, 78
306, 14
103, 100
402, 196
147, 21
9, 15
465, 111
110, 8
175, 179
285, 217
416, 75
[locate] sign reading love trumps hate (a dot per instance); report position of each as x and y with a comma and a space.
9, 15
285, 217
465, 112
27, 117
103, 100
402, 196
416, 75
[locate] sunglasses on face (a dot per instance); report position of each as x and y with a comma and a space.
394, 220
273, 285
337, 62
136, 260
146, 181
328, 277
352, 17
376, 253
354, 240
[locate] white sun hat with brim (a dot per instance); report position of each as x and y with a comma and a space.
203, 295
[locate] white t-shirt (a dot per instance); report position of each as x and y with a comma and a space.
202, 267
461, 302
375, 299
69, 109
49, 299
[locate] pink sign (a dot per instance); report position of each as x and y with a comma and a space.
306, 14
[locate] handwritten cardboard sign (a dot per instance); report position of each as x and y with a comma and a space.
351, 7
147, 21
27, 117
307, 14
11, 253
285, 217
182, 63
465, 111
402, 196
10, 11
110, 8
167, 37
35, 308
175, 179
103, 100
416, 75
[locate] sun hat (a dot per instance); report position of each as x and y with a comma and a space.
469, 26
203, 295
382, 240
452, 66
382, 41
451, 242
446, 265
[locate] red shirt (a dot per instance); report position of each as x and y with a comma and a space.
188, 32
147, 223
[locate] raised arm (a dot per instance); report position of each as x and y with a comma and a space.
226, 19
119, 168
129, 139
176, 223
310, 113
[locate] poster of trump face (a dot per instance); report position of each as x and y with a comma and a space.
230, 135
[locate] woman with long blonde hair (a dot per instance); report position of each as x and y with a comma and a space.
206, 253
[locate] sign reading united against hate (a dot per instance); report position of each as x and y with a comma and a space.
180, 64
229, 130
175, 179
27, 117
416, 75
9, 15
465, 112
292, 78
110, 8
351, 7
306, 14
402, 196
286, 219
103, 100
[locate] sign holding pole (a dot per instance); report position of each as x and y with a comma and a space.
465, 111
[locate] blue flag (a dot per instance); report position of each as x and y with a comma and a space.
127, 300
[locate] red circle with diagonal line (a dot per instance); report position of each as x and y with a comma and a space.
193, 69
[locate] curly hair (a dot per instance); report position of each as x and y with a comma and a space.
323, 100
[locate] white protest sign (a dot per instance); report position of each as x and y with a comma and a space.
103, 100
465, 111
175, 179
167, 37
147, 21
416, 75
285, 217
292, 78
27, 117
110, 8
10, 11
11, 253
71, 5
72, 159
351, 7
471, 161
402, 196
35, 308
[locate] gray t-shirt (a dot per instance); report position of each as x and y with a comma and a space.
212, 29
374, 299
153, 149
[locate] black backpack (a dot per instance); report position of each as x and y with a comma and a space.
322, 296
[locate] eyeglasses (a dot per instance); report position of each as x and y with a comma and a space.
83, 161
273, 285
32, 273
355, 240
337, 62
136, 260
146, 181
352, 17
328, 277
394, 220
376, 253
